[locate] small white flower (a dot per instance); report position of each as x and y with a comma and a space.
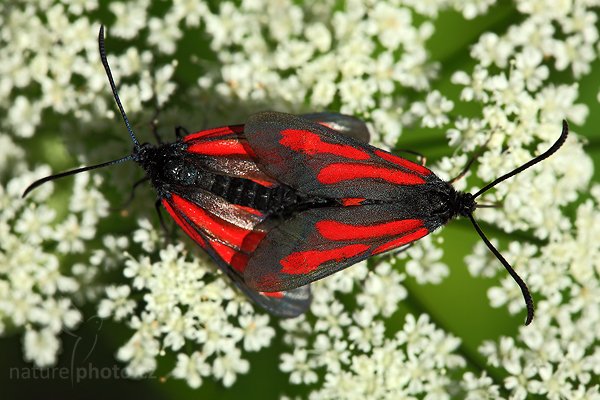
332, 317
227, 366
34, 224
367, 333
257, 334
423, 262
140, 271
491, 49
480, 388
319, 35
146, 235
55, 315
117, 303
131, 18
191, 368
41, 347
163, 84
141, 350
299, 365
24, 116
164, 33
527, 64
70, 234
382, 291
433, 110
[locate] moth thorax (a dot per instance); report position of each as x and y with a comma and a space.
179, 172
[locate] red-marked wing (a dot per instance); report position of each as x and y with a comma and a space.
319, 242
229, 234
316, 160
341, 123
223, 150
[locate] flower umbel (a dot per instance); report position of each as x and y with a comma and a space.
500, 92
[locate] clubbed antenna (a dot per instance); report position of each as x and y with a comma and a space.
557, 145
526, 294
511, 271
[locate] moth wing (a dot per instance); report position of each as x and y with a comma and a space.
316, 160
224, 150
342, 123
319, 242
229, 238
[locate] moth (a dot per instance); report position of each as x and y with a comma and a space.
285, 200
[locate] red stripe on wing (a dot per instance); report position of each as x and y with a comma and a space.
339, 172
262, 182
241, 238
276, 295
216, 132
303, 262
327, 124
411, 237
352, 201
184, 225
334, 230
232, 257
249, 210
310, 143
224, 147
403, 162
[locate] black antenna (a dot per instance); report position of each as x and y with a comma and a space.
511, 271
561, 140
116, 96
113, 86
73, 172
526, 295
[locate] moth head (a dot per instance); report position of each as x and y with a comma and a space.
449, 203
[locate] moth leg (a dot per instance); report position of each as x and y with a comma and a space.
467, 167
474, 158
132, 193
389, 255
154, 125
495, 204
158, 208
180, 132
464, 170
421, 158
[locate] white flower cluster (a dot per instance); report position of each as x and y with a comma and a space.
360, 56
521, 115
50, 61
431, 8
184, 303
363, 57
36, 290
58, 57
557, 356
350, 354
423, 262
